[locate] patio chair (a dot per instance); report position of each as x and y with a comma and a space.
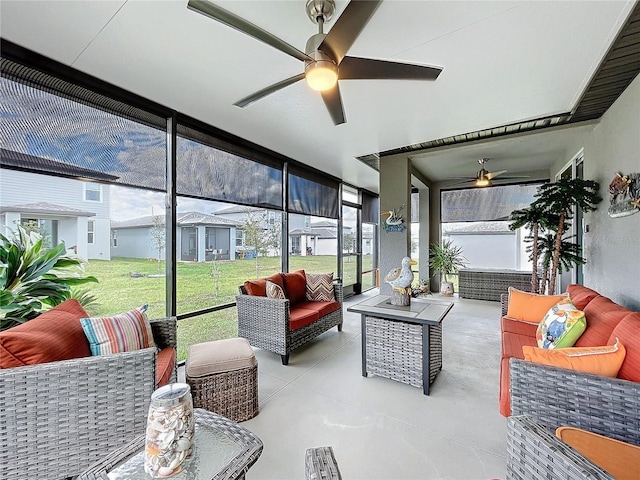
544, 398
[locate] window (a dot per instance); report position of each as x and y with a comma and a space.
239, 237
272, 218
93, 192
307, 221
91, 231
114, 239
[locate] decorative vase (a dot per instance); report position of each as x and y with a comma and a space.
170, 430
446, 288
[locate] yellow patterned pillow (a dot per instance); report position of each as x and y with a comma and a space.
561, 326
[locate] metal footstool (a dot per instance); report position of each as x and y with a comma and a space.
223, 376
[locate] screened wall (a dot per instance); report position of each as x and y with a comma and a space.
166, 210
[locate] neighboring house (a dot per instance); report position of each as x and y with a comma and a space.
200, 237
489, 244
67, 210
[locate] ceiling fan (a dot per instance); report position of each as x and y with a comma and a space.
484, 178
325, 56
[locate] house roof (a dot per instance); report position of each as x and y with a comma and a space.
44, 208
183, 219
313, 232
236, 209
477, 228
31, 163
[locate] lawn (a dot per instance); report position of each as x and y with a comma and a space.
126, 283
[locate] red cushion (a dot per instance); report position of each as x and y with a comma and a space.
258, 287
295, 286
580, 296
165, 363
323, 308
52, 336
505, 396
602, 317
300, 317
519, 327
512, 344
628, 332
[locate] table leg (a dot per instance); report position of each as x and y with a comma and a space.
363, 329
426, 360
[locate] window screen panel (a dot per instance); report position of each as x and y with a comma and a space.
370, 208
485, 204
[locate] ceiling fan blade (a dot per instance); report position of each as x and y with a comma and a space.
491, 175
333, 101
268, 90
356, 68
221, 15
347, 28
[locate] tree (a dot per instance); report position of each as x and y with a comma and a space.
158, 236
348, 243
560, 198
537, 220
256, 234
34, 278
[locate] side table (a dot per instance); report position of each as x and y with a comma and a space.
224, 451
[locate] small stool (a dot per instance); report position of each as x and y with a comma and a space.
223, 376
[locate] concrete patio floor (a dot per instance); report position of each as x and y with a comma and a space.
379, 428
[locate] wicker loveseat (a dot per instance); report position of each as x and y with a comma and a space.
60, 417
282, 325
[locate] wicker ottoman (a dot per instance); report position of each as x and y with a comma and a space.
223, 376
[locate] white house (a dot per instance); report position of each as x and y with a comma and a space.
200, 237
67, 210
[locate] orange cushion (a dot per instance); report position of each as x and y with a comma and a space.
300, 317
628, 331
512, 344
620, 459
580, 295
505, 385
323, 308
519, 327
605, 361
295, 286
530, 307
165, 363
258, 287
52, 336
602, 317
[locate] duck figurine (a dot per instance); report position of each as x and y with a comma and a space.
393, 216
401, 278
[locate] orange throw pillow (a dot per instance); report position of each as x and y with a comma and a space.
605, 361
530, 307
258, 287
50, 337
620, 459
295, 286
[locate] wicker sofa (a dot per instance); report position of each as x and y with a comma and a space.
267, 322
60, 417
606, 321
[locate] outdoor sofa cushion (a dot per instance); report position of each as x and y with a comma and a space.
629, 330
602, 317
561, 326
52, 336
258, 287
295, 286
320, 287
530, 307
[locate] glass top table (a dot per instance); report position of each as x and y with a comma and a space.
224, 450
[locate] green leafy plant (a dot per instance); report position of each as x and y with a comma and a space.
34, 278
446, 259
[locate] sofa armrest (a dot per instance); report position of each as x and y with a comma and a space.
165, 332
337, 292
559, 397
535, 453
60, 417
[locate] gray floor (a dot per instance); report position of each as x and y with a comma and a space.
379, 428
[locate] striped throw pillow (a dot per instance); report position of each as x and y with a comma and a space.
274, 290
120, 333
320, 287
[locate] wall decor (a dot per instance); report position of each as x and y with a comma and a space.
624, 193
394, 221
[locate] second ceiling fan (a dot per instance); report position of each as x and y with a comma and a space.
325, 56
485, 178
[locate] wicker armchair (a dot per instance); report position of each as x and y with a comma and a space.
265, 323
58, 418
551, 397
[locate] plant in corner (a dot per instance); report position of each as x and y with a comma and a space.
446, 259
34, 278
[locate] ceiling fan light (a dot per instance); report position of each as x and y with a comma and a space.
483, 182
321, 75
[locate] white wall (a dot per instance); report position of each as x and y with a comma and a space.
495, 251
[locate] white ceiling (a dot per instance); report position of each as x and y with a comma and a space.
504, 62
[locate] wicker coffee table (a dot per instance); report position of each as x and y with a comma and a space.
402, 343
224, 450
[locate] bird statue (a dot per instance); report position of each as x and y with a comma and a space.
393, 216
400, 278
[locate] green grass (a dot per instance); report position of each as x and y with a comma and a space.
199, 285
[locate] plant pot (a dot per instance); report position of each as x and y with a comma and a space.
424, 288
446, 288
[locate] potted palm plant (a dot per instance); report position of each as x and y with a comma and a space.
446, 259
